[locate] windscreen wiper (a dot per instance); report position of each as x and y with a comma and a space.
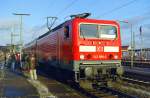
82, 34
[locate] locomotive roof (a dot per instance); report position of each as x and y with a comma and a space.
54, 29
59, 26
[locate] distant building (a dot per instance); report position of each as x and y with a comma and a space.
125, 53
125, 48
139, 54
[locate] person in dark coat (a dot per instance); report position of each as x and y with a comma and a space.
13, 59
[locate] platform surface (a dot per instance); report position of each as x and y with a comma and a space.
15, 85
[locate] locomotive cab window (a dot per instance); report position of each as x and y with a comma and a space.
88, 30
107, 31
66, 32
98, 31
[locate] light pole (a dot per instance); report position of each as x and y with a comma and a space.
141, 42
21, 33
12, 36
132, 45
132, 42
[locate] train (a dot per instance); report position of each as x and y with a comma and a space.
80, 49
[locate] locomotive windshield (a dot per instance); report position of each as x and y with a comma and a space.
97, 31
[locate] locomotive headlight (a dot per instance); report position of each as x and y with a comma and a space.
116, 57
81, 56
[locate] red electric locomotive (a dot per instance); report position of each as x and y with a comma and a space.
81, 49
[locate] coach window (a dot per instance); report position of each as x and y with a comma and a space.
66, 32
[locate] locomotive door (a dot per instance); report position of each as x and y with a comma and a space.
58, 48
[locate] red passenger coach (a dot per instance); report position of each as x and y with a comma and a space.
82, 49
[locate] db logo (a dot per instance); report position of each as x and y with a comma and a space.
100, 49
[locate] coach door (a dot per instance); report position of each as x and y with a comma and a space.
58, 48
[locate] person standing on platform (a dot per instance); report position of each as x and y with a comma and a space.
13, 59
17, 62
1, 71
32, 66
23, 60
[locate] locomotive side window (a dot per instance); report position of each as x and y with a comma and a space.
66, 32
98, 31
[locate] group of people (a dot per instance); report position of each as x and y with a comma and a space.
27, 63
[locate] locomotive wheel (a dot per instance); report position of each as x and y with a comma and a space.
86, 84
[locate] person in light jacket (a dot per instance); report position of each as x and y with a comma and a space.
32, 66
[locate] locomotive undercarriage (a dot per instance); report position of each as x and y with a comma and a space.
99, 74
86, 74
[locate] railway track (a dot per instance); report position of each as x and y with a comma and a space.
136, 73
132, 87
136, 81
140, 64
112, 92
117, 93
98, 92
136, 76
103, 92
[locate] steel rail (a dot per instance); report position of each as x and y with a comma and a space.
116, 92
136, 81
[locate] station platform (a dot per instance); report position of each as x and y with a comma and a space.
14, 85
17, 84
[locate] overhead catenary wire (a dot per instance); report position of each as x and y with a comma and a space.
117, 8
60, 12
38, 29
45, 27
52, 3
66, 7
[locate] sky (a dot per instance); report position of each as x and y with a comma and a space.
135, 12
